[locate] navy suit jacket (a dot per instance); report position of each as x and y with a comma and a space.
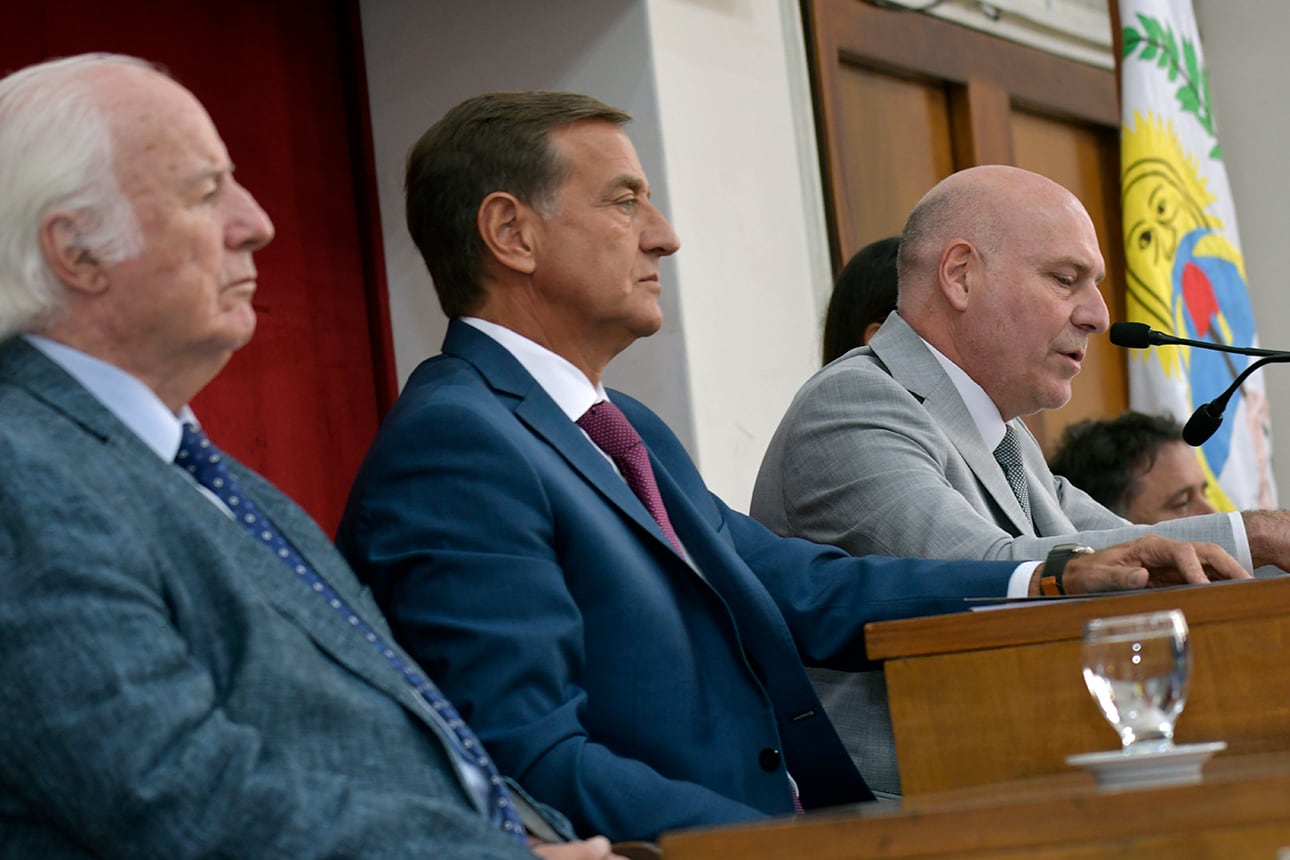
606, 674
168, 688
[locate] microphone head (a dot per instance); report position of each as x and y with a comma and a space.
1201, 425
1133, 335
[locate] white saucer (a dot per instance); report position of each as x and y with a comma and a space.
1178, 765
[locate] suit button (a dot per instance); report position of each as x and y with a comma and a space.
768, 759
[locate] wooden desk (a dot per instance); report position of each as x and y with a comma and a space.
1241, 810
994, 696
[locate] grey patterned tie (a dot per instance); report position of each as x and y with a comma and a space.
1009, 457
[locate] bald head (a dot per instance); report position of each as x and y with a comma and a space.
998, 270
985, 206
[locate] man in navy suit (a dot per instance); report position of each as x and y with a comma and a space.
631, 654
168, 686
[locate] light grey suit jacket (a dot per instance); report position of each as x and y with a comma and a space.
168, 688
879, 455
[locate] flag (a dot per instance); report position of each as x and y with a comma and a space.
1185, 272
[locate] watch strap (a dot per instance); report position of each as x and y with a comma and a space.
1050, 584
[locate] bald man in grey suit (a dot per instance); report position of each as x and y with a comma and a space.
170, 687
891, 448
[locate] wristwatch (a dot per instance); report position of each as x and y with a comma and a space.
1050, 584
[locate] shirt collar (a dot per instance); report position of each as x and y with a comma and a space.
565, 384
134, 404
989, 423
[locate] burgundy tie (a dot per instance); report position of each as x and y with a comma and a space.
609, 428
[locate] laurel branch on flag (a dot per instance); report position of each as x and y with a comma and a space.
1157, 42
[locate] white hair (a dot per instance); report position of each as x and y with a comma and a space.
56, 152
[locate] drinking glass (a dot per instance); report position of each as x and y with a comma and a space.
1137, 668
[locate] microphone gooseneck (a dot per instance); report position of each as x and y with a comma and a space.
1134, 335
1204, 422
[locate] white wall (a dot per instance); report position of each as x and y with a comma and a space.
753, 270
1245, 51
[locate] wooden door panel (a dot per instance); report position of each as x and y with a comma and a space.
895, 133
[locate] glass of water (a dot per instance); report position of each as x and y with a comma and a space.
1137, 668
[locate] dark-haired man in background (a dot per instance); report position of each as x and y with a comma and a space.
1136, 465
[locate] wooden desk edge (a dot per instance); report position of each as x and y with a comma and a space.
1237, 790
1064, 619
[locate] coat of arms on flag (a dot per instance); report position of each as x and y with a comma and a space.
1186, 275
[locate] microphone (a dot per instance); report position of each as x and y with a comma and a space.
1204, 422
1135, 335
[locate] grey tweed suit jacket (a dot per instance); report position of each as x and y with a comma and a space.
167, 687
879, 455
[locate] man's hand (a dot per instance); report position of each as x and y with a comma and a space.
595, 848
1150, 561
1269, 535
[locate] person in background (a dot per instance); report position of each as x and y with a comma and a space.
189, 668
624, 642
1137, 465
863, 295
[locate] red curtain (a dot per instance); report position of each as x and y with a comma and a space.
283, 81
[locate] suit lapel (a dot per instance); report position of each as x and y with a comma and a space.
913, 366
24, 366
537, 411
310, 611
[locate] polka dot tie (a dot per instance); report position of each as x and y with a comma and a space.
609, 428
1009, 457
205, 463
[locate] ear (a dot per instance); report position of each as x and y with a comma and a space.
506, 226
62, 243
957, 272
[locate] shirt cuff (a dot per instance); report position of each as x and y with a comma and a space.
1019, 582
1242, 541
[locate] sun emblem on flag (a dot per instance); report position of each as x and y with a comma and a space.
1184, 275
